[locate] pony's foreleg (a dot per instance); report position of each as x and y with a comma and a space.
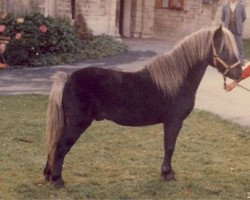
47, 172
67, 140
171, 131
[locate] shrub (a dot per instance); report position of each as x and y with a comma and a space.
98, 47
102, 46
82, 30
36, 40
35, 35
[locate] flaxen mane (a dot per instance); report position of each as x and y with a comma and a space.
170, 70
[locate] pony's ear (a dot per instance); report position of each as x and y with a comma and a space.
218, 32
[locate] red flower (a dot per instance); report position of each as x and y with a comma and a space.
43, 29
2, 28
2, 47
18, 36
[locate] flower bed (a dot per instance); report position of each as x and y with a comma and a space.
36, 40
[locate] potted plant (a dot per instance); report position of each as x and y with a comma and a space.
3, 42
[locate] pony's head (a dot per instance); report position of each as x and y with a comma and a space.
224, 54
213, 46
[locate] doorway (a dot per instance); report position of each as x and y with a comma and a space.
125, 18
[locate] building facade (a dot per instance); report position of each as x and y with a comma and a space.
133, 18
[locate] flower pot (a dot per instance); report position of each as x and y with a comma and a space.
3, 42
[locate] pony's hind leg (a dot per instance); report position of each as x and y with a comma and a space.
68, 138
68, 117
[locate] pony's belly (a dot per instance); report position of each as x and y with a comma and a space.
137, 122
131, 118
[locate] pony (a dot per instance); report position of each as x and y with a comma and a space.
162, 92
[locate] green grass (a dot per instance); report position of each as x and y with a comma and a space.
212, 158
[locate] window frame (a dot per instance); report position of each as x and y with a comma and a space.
171, 5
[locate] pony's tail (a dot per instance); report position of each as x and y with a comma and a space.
55, 116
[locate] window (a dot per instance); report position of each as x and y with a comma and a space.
165, 3
209, 1
170, 4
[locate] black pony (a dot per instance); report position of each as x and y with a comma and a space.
162, 92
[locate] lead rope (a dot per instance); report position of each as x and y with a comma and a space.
225, 83
216, 59
242, 87
248, 90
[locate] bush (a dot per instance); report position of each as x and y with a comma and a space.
98, 47
36, 40
102, 46
82, 30
35, 35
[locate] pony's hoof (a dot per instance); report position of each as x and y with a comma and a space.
170, 176
46, 173
47, 177
58, 183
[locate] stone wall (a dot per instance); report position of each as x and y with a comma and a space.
178, 23
143, 14
20, 7
2, 6
99, 14
141, 18
62, 8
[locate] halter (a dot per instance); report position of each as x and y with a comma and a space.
227, 67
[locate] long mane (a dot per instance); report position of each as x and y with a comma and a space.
170, 70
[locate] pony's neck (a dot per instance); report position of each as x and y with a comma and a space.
195, 76
192, 51
170, 71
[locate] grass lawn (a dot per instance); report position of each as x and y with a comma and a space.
212, 158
